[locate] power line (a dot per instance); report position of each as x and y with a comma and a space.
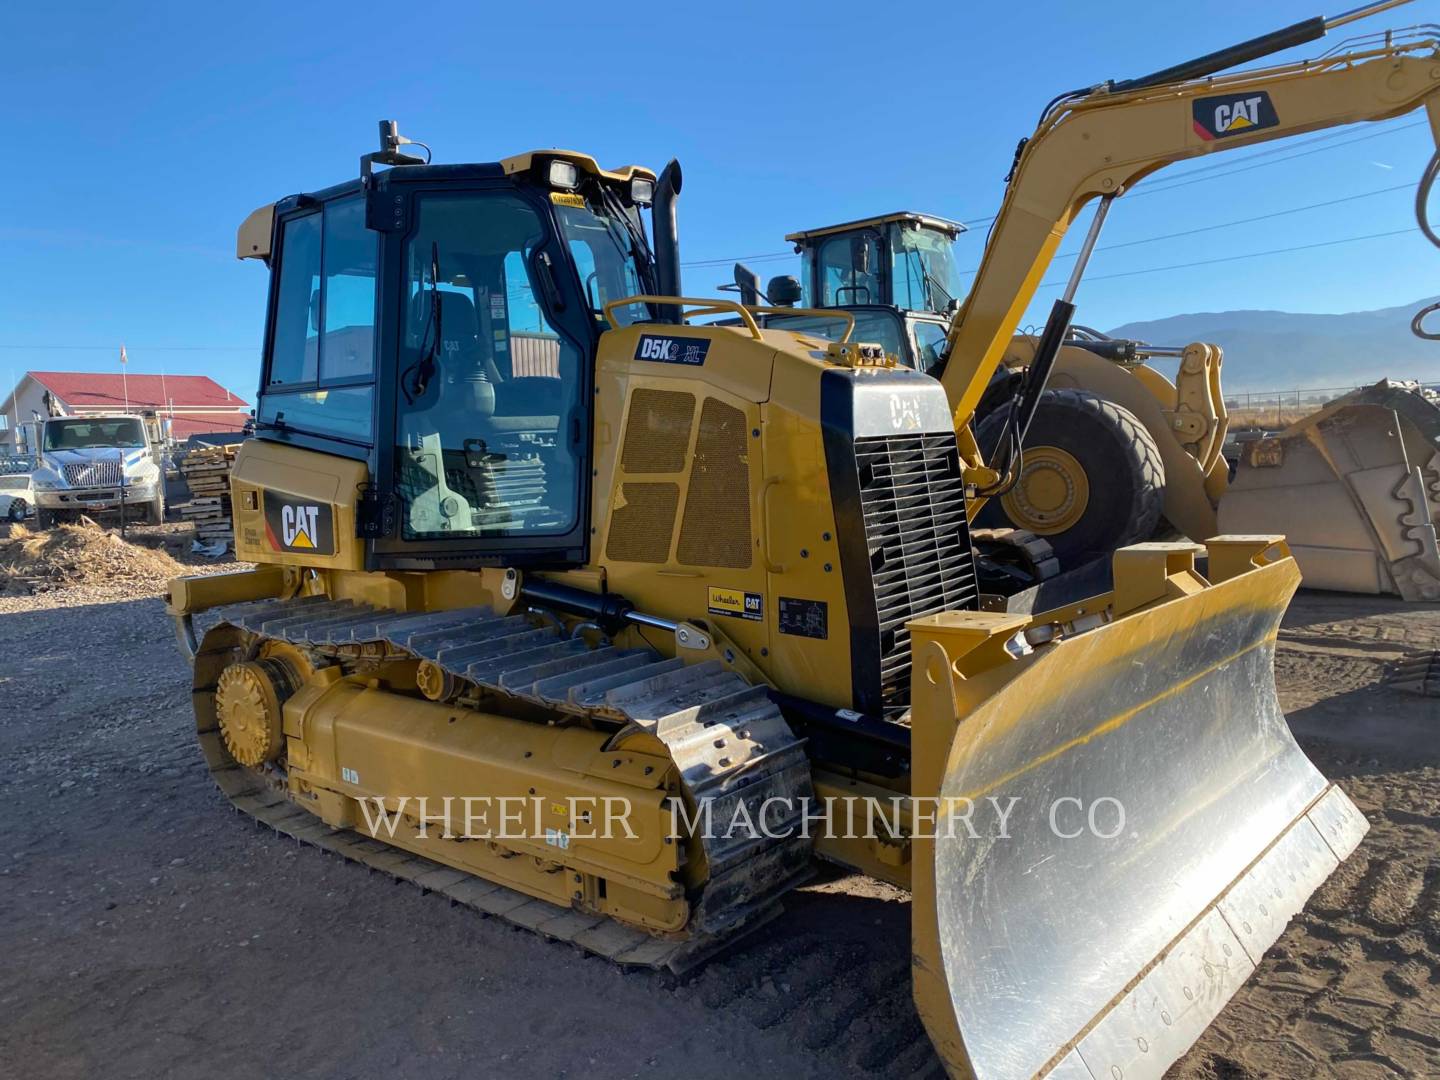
1236, 258
1237, 167
1216, 171
1230, 224
142, 348
739, 258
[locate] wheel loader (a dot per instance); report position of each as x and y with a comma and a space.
1357, 486
604, 619
1117, 451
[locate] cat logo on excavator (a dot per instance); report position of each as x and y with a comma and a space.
1233, 114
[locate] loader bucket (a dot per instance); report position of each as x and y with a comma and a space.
1165, 825
1354, 488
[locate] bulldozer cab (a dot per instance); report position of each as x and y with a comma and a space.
439, 324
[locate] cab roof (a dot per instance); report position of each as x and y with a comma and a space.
583, 162
902, 217
252, 240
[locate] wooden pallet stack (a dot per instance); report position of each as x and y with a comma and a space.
207, 474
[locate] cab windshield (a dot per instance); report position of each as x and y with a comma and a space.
881, 328
126, 434
608, 244
923, 268
489, 388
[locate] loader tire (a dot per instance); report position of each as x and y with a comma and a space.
1093, 479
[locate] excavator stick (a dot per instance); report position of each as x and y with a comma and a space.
1356, 489
1161, 825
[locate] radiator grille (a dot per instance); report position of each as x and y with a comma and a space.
93, 474
641, 528
912, 499
657, 435
716, 530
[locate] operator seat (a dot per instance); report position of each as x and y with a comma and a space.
467, 367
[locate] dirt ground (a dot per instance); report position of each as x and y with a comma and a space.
146, 929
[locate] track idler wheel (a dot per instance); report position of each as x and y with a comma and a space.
248, 702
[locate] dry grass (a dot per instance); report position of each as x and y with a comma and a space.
1270, 417
78, 554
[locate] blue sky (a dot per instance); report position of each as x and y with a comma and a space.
141, 135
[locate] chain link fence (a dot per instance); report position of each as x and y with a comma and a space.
1275, 409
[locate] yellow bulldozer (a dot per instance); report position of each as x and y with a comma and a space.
606, 620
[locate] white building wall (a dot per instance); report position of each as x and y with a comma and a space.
28, 399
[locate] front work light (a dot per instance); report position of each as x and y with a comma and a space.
563, 174
642, 192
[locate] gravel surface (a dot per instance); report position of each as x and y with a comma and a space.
146, 929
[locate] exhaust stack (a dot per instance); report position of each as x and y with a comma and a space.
665, 226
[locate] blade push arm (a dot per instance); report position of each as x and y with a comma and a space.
1105, 142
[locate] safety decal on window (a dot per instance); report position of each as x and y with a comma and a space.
672, 350
567, 198
1233, 114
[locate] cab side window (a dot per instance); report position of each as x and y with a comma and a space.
294, 350
322, 350
850, 270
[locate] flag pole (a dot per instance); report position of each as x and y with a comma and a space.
124, 381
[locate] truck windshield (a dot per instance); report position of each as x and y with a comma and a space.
125, 433
923, 267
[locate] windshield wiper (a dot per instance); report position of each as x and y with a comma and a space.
639, 246
426, 366
934, 282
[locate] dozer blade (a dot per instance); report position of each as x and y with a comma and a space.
1163, 826
1353, 488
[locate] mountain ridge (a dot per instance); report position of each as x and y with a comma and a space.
1268, 349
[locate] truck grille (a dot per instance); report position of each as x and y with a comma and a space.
93, 474
912, 500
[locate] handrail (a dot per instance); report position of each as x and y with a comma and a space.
831, 313
703, 307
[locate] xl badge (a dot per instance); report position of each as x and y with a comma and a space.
672, 350
293, 525
1233, 114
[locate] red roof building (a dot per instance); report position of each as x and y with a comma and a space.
195, 404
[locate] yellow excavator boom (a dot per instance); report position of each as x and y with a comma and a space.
1101, 144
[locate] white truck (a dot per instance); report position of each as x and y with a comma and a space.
82, 463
